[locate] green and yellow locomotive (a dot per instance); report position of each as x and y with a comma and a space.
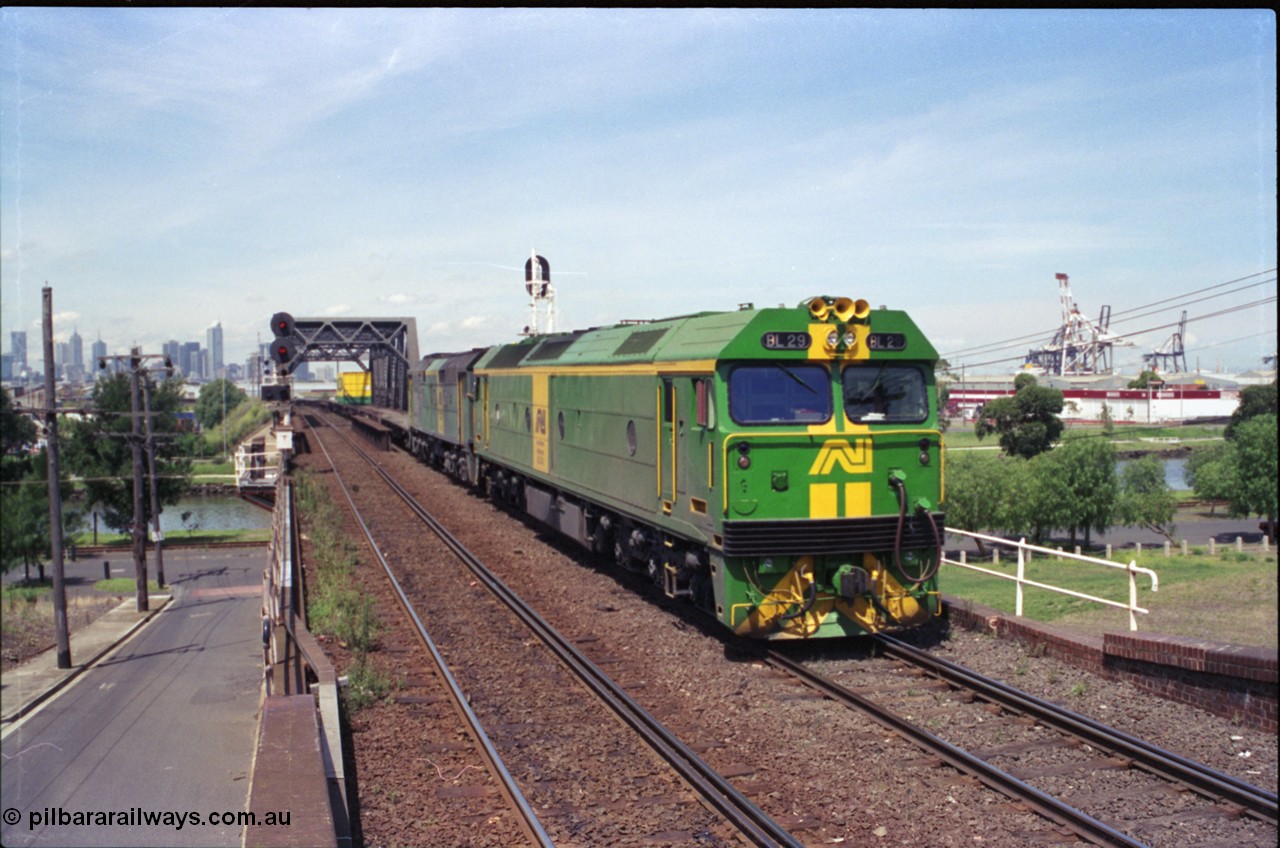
781, 468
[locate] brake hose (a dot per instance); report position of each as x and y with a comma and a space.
928, 573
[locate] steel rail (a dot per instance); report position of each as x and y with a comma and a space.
754, 823
1200, 777
1046, 805
510, 789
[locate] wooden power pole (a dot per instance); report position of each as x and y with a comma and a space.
62, 637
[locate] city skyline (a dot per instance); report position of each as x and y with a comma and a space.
71, 352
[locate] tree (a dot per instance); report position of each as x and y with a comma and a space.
24, 523
17, 431
974, 493
22, 502
97, 448
1108, 422
1211, 472
1085, 470
216, 398
1256, 472
1026, 424
25, 537
942, 382
1145, 497
1144, 380
1040, 496
1254, 401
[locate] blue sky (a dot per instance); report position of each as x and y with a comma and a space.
165, 168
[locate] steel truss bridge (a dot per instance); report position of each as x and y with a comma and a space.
385, 347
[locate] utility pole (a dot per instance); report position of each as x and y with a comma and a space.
62, 638
157, 534
138, 527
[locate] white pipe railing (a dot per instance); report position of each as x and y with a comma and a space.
1021, 580
256, 470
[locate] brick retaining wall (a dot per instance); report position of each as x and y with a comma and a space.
1233, 681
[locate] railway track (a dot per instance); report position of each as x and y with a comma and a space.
714, 791
1064, 798
1108, 750
529, 823
1208, 782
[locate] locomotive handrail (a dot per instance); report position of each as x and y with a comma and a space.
1132, 568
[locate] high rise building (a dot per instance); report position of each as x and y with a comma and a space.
190, 360
99, 350
173, 350
77, 351
18, 349
214, 346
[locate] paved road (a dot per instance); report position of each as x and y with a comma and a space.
165, 725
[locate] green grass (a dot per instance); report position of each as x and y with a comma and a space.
1229, 597
27, 592
124, 585
241, 422
211, 468
335, 603
185, 537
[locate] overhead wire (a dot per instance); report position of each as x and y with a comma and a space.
1217, 314
1163, 304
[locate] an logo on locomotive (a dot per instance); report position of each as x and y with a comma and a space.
836, 500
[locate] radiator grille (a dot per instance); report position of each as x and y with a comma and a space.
792, 537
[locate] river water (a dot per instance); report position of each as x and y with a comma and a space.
1175, 472
204, 512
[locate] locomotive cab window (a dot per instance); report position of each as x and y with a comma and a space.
702, 400
892, 393
780, 393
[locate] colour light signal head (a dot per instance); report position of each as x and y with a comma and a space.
283, 350
282, 324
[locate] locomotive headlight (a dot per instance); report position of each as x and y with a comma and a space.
850, 339
833, 339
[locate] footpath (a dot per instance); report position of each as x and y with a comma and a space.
149, 738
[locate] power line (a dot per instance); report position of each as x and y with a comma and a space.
1169, 302
1020, 340
1219, 313
1188, 303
